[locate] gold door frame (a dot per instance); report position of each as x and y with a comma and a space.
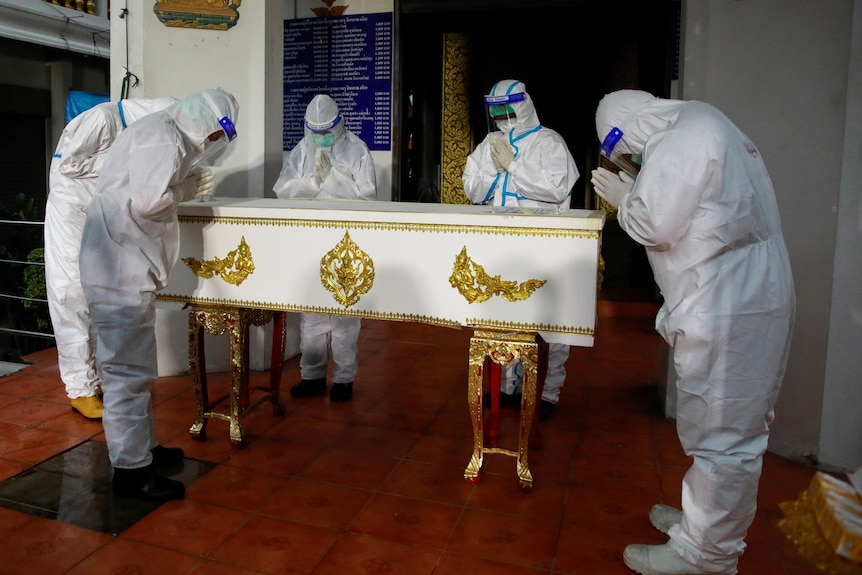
455, 134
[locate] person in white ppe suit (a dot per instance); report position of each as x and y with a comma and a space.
129, 246
72, 184
330, 162
703, 205
522, 164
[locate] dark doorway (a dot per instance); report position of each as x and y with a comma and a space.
568, 55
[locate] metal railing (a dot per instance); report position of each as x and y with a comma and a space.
16, 284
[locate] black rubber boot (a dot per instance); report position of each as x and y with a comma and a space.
309, 387
145, 483
341, 392
166, 456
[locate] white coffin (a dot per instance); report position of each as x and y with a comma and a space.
282, 254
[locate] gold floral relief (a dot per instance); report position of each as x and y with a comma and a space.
347, 271
472, 282
203, 14
233, 268
330, 10
456, 136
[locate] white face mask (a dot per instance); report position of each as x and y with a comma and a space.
505, 125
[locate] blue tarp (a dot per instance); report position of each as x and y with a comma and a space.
81, 102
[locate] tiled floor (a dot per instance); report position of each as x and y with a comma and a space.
375, 486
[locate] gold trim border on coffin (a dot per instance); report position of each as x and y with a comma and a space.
389, 316
399, 227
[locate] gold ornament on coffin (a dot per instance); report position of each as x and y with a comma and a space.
234, 268
471, 281
347, 271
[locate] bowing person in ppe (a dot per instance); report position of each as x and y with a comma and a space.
521, 163
703, 205
72, 179
329, 162
129, 245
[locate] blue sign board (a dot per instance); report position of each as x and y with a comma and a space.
350, 59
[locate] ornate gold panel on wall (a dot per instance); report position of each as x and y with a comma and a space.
206, 14
456, 137
87, 6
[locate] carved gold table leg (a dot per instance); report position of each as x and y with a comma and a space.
197, 367
237, 325
504, 348
236, 322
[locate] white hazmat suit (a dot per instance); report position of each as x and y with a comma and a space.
72, 180
704, 207
540, 174
129, 245
330, 162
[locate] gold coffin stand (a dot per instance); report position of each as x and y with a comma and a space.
236, 322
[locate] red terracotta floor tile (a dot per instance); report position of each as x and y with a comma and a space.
429, 481
317, 503
27, 384
364, 554
363, 470
189, 526
605, 510
208, 567
521, 541
407, 520
581, 550
10, 468
272, 456
307, 431
451, 564
33, 445
32, 412
48, 547
235, 488
124, 556
275, 546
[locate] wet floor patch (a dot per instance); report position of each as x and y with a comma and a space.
75, 487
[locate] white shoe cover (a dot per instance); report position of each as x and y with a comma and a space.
660, 560
663, 517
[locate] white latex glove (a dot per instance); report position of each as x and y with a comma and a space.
195, 185
322, 165
501, 152
610, 186
205, 184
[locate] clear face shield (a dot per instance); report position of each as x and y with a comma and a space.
501, 115
611, 154
217, 141
323, 135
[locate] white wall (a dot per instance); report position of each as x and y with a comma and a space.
779, 69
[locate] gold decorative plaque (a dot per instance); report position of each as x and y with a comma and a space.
471, 281
347, 271
233, 268
205, 14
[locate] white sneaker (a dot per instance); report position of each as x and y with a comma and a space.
663, 517
661, 560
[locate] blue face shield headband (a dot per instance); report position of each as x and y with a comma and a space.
228, 128
323, 127
623, 163
502, 105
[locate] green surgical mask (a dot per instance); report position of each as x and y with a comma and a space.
324, 140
